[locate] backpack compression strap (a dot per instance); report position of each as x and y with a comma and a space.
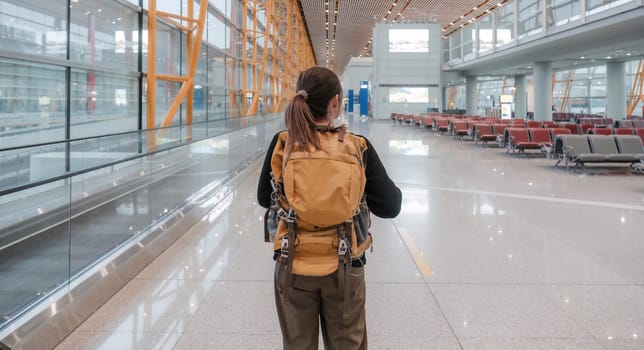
344, 265
341, 130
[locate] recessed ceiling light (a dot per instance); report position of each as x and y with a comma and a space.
608, 57
628, 54
582, 57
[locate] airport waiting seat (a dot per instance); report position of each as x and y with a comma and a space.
624, 123
630, 147
441, 125
558, 131
640, 132
580, 149
607, 147
540, 136
638, 123
574, 128
600, 131
586, 128
519, 140
459, 128
624, 131
575, 149
428, 121
548, 124
533, 124
483, 132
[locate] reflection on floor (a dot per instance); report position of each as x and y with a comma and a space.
491, 251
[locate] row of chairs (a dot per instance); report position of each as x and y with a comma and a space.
483, 132
599, 121
581, 149
565, 117
602, 144
630, 123
461, 128
520, 139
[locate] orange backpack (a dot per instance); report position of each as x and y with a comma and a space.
319, 192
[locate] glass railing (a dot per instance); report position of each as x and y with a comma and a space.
56, 224
494, 36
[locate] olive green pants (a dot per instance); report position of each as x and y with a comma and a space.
314, 303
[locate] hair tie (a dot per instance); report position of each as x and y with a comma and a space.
303, 94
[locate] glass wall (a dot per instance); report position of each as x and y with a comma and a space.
562, 12
586, 90
34, 27
631, 71
77, 74
529, 18
490, 90
105, 34
520, 21
469, 42
486, 35
504, 25
32, 102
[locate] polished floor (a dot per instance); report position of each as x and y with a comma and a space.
490, 251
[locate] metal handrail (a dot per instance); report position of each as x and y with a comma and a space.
102, 136
97, 167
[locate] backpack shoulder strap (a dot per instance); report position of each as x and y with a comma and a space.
278, 155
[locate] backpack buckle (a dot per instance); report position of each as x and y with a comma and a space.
343, 246
290, 217
284, 248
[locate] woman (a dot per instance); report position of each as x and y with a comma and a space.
320, 292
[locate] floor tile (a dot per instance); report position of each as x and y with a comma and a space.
503, 311
403, 310
612, 314
121, 340
150, 306
530, 344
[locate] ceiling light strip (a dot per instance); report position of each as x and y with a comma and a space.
466, 20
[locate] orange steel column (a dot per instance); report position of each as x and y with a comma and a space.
286, 75
151, 79
244, 63
637, 90
189, 44
194, 30
258, 76
566, 94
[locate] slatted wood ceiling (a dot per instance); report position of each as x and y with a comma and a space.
356, 18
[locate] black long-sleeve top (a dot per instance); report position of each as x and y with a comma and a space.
383, 196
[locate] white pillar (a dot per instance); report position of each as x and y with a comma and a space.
616, 90
471, 96
542, 75
520, 97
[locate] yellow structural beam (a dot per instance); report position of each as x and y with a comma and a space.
637, 90
194, 34
272, 63
566, 94
272, 55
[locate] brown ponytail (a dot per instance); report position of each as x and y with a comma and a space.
300, 124
316, 87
